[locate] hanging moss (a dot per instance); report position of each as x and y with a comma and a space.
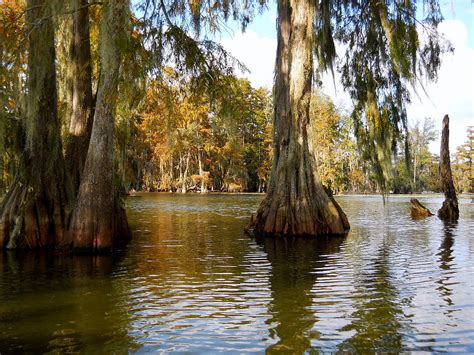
385, 57
34, 212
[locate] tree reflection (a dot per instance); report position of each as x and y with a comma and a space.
292, 279
445, 260
61, 304
377, 319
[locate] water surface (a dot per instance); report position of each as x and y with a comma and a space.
191, 281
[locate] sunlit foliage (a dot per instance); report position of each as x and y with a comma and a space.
12, 86
463, 169
184, 141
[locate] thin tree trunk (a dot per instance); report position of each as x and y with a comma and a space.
33, 214
414, 172
99, 219
201, 173
82, 102
185, 174
162, 163
180, 166
139, 183
296, 203
171, 173
450, 209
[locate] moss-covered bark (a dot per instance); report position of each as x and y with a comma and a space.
34, 213
296, 203
98, 217
82, 102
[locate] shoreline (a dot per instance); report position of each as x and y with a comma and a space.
418, 194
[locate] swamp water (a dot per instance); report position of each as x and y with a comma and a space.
192, 281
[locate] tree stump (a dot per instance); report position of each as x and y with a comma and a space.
418, 210
450, 210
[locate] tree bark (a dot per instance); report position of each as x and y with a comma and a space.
33, 214
296, 203
449, 210
418, 210
99, 219
82, 101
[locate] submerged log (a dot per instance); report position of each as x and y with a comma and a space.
450, 210
418, 210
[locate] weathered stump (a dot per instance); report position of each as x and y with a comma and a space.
418, 210
450, 210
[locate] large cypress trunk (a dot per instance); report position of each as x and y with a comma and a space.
33, 214
98, 217
296, 203
82, 103
450, 210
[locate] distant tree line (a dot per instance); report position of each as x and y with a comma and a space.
181, 141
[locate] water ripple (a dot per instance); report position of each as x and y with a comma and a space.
191, 281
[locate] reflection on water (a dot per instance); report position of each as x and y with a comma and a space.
291, 281
192, 281
377, 321
51, 302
